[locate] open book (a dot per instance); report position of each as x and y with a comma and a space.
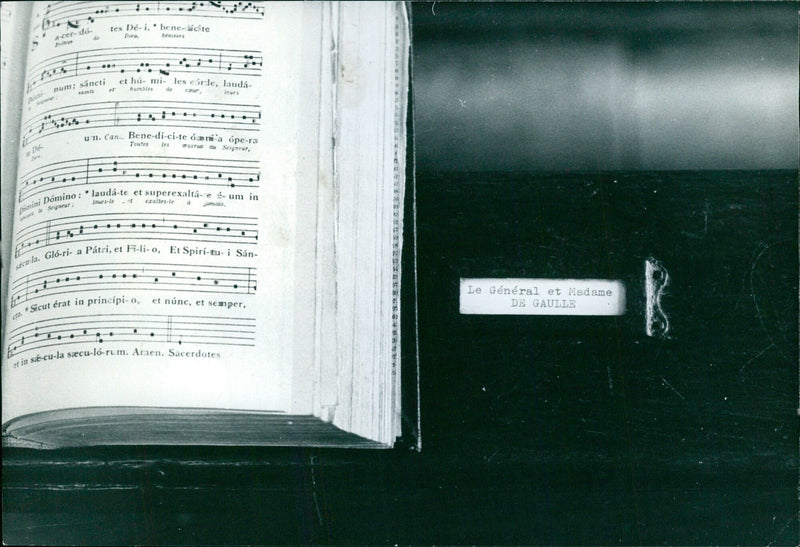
206, 200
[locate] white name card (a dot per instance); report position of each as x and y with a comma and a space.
518, 296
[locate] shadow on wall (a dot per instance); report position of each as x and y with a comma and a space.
605, 87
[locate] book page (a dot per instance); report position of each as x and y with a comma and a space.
14, 17
154, 249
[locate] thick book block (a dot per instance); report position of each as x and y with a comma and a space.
208, 204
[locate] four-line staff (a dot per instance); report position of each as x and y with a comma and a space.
145, 60
150, 113
77, 14
68, 280
230, 173
189, 229
115, 328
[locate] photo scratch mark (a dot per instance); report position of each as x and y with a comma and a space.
759, 313
691, 234
675, 391
789, 521
314, 491
756, 356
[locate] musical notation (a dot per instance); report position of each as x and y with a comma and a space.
79, 14
182, 171
189, 229
133, 276
174, 114
116, 328
6, 18
145, 60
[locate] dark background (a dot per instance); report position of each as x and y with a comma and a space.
551, 141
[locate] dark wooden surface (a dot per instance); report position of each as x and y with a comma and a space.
535, 430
